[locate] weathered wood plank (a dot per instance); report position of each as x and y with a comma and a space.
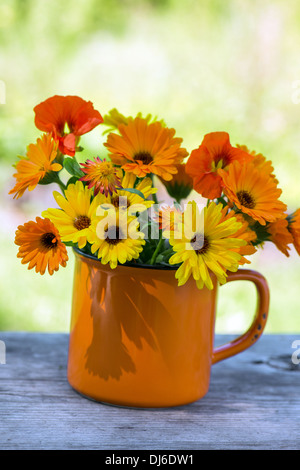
253, 403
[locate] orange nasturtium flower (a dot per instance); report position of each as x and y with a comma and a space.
102, 175
215, 152
67, 118
41, 246
144, 148
38, 162
253, 192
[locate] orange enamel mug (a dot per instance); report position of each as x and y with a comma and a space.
139, 340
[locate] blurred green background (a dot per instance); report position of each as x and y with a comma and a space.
203, 66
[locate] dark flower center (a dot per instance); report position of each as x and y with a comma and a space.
221, 157
144, 157
116, 202
64, 127
200, 244
48, 240
82, 222
113, 235
246, 199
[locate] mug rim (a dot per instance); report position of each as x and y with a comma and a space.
125, 265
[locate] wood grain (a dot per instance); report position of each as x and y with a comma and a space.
253, 403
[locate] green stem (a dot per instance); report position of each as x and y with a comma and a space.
62, 185
154, 195
60, 158
159, 245
155, 198
222, 201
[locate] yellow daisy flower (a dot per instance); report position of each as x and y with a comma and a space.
118, 243
76, 215
205, 243
114, 118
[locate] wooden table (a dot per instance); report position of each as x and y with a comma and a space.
253, 403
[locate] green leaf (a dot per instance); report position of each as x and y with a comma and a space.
262, 233
222, 201
69, 243
72, 167
135, 191
148, 251
159, 259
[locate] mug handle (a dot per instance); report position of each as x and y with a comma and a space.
259, 322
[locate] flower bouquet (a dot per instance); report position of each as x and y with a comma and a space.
107, 210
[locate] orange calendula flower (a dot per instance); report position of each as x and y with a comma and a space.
144, 148
38, 162
214, 153
181, 185
41, 246
260, 162
294, 228
67, 118
253, 192
168, 219
102, 175
280, 235
244, 233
